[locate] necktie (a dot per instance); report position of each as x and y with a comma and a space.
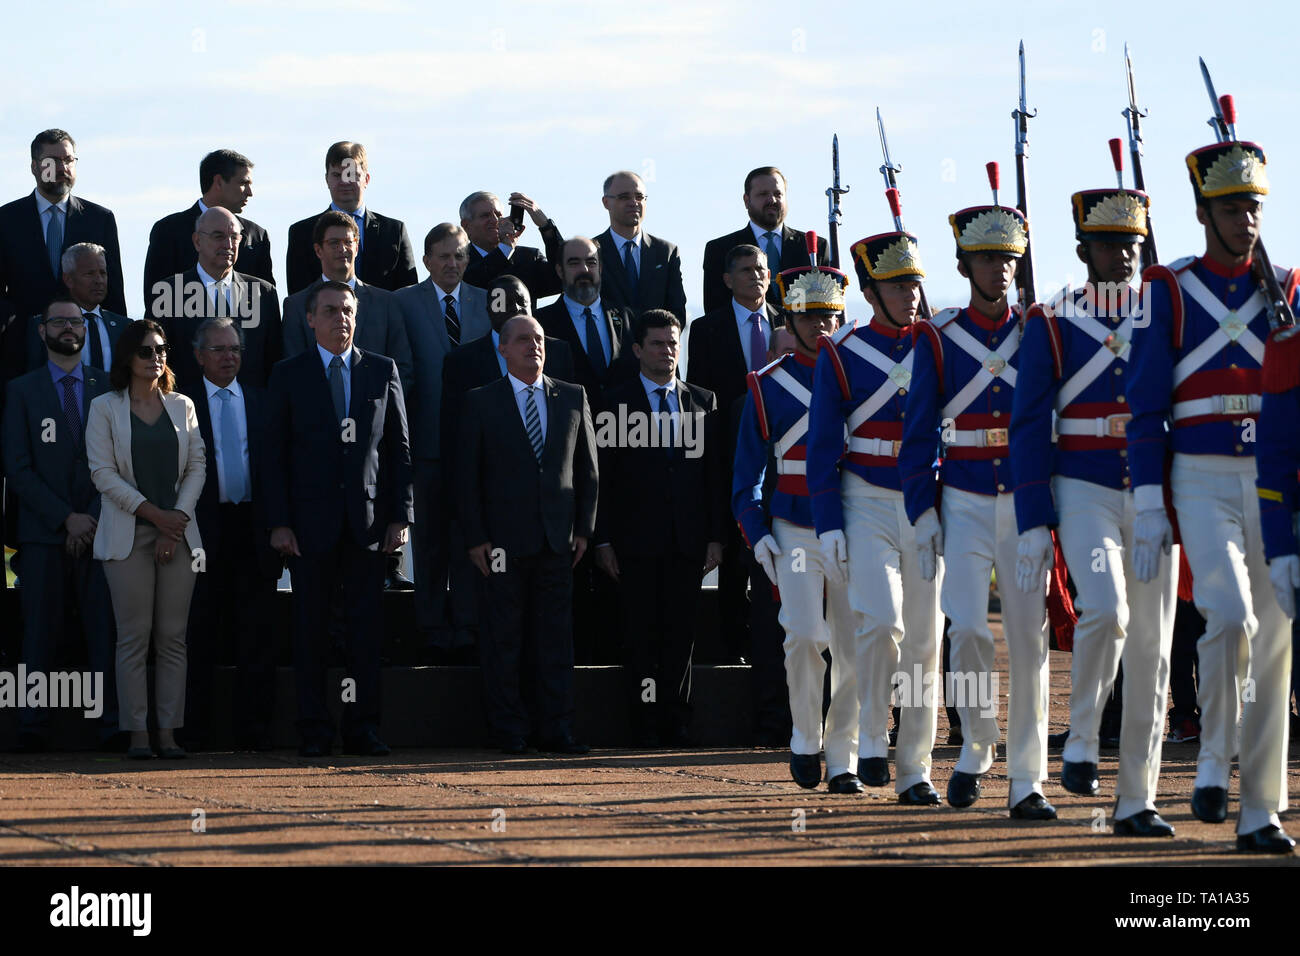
96, 346
595, 351
232, 456
221, 298
360, 219
54, 241
453, 323
773, 254
336, 388
629, 264
665, 415
70, 410
533, 423
757, 344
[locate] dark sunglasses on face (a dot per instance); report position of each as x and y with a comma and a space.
148, 351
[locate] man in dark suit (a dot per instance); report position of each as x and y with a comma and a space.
641, 271
783, 247
528, 482
85, 274
440, 314
214, 289
36, 229
226, 180
494, 250
384, 257
338, 497
58, 508
663, 512
233, 598
720, 358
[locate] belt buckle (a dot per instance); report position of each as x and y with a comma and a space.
994, 437
1232, 404
1116, 425
895, 445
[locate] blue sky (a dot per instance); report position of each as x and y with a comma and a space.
547, 98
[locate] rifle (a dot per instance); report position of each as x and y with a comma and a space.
894, 198
833, 193
1224, 124
1022, 116
1134, 117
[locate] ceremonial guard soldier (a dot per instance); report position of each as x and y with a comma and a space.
963, 379
774, 423
1195, 391
1072, 364
859, 389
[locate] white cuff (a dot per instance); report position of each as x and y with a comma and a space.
1149, 498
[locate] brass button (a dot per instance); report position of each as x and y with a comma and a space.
1001, 486
1123, 453
993, 341
1120, 399
1233, 365
997, 414
902, 391
1238, 447
997, 388
1126, 481
997, 461
1119, 371
1232, 287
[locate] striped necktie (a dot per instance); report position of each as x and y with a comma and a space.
533, 423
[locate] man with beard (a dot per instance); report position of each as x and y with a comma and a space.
1073, 358
58, 510
783, 247
860, 387
963, 378
775, 422
85, 273
643, 272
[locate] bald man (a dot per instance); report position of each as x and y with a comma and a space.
213, 288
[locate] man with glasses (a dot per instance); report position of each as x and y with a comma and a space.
642, 271
85, 273
214, 289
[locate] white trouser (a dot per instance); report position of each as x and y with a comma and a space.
1245, 652
1119, 618
898, 629
979, 535
808, 632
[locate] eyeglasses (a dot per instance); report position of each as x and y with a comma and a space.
223, 349
149, 351
335, 244
77, 323
624, 197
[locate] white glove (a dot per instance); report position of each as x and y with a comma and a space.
1284, 573
929, 542
835, 556
765, 553
1034, 556
1152, 537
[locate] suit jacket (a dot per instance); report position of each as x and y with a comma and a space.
716, 360
37, 357
184, 306
108, 452
475, 364
510, 499
659, 280
794, 252
530, 266
171, 249
386, 259
51, 479
316, 483
381, 328
653, 504
426, 331
26, 282
207, 512
557, 322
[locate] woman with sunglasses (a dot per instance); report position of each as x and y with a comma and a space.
147, 460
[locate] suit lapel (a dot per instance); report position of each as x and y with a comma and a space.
437, 315
616, 273
553, 417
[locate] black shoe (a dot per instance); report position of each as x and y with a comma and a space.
172, 753
139, 753
1210, 804
873, 771
920, 795
1033, 807
396, 581
1269, 839
517, 747
845, 783
367, 745
1146, 823
676, 736
963, 789
563, 745
806, 770
314, 748
771, 740
29, 743
115, 743
1080, 778
1056, 742
955, 739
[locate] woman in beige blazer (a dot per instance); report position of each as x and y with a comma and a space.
147, 460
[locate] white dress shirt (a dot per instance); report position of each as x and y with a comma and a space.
621, 244
216, 408
674, 402
97, 327
761, 241
212, 286
326, 357
539, 399
43, 207
580, 324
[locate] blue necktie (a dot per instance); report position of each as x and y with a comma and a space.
773, 255
70, 410
232, 456
629, 264
336, 388
665, 415
54, 241
595, 350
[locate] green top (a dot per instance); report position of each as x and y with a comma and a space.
153, 456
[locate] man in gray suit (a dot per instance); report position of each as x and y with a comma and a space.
85, 273
45, 463
441, 313
640, 271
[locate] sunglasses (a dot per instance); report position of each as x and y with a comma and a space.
149, 351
